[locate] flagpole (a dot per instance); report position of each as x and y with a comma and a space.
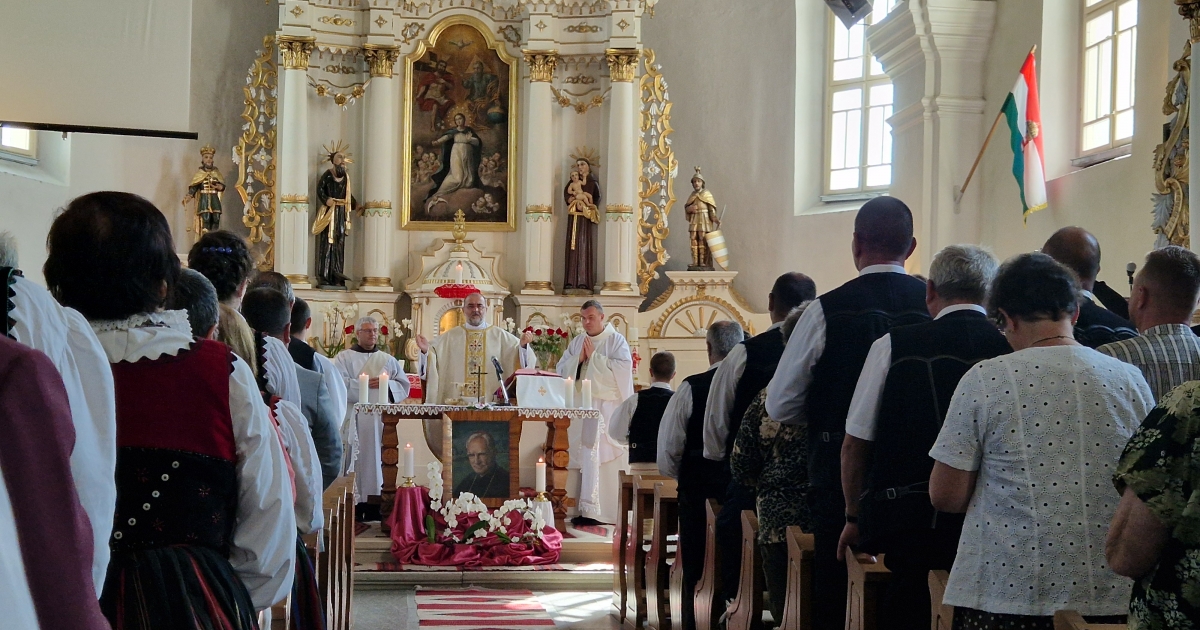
958, 194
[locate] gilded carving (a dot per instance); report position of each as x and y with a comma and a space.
295, 51
294, 199
1190, 10
535, 213
382, 59
1171, 159
580, 79
619, 212
541, 25
411, 31
510, 33
335, 20
563, 98
336, 69
377, 208
622, 64
683, 308
297, 11
381, 21
538, 285
541, 64
583, 27
656, 185
255, 152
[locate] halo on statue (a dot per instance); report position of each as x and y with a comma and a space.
587, 154
335, 147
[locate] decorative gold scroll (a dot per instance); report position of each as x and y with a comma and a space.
656, 185
1171, 219
255, 152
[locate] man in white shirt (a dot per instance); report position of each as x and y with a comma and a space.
681, 451
635, 423
898, 407
742, 375
819, 369
600, 356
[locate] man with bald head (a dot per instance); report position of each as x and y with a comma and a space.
1079, 251
819, 370
460, 354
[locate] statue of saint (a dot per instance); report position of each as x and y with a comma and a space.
702, 218
333, 219
206, 188
582, 196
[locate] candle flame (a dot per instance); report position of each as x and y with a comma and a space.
408, 446
541, 460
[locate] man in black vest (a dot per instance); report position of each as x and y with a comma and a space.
816, 376
636, 421
1076, 248
897, 411
742, 375
681, 452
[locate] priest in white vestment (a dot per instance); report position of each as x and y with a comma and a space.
601, 356
364, 435
463, 355
39, 322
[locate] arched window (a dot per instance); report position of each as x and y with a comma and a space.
858, 138
1109, 52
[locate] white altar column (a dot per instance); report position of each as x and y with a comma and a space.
291, 222
620, 231
380, 168
538, 171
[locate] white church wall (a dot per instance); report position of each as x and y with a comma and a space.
1111, 199
733, 76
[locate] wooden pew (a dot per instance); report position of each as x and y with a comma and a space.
1071, 620
680, 598
707, 605
635, 552
797, 606
941, 616
621, 541
866, 579
335, 570
666, 522
747, 610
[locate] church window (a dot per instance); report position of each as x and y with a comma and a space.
1109, 49
858, 138
18, 144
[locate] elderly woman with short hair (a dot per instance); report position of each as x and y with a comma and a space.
1027, 450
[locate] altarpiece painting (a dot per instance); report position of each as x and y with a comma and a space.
460, 111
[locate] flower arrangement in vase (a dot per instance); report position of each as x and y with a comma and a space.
337, 331
548, 344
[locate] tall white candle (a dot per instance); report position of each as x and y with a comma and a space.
569, 399
408, 461
364, 390
633, 335
458, 273
586, 393
539, 479
383, 389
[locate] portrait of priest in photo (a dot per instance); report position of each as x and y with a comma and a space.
483, 476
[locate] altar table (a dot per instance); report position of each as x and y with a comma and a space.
556, 449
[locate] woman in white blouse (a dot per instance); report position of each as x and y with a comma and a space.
1027, 450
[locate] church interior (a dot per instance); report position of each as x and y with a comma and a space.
658, 164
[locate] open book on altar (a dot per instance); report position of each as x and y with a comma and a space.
539, 388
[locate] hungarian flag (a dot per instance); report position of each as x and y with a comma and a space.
1024, 115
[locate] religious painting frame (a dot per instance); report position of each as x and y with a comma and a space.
505, 435
461, 69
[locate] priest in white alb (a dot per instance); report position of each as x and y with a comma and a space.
602, 357
462, 357
364, 436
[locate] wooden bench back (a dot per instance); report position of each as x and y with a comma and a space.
942, 616
747, 609
666, 523
797, 605
707, 603
866, 577
1071, 620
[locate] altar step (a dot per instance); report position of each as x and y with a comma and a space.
585, 564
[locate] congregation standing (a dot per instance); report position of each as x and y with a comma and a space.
996, 420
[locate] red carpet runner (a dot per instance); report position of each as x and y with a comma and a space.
480, 609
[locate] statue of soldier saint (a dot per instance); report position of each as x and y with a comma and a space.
206, 188
702, 218
333, 218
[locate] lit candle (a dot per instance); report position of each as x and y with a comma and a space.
458, 273
569, 398
383, 389
363, 389
539, 479
586, 391
408, 461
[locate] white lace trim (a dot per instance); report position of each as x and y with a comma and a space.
176, 320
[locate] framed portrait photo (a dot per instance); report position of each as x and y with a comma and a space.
460, 125
483, 459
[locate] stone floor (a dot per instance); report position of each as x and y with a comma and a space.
397, 610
